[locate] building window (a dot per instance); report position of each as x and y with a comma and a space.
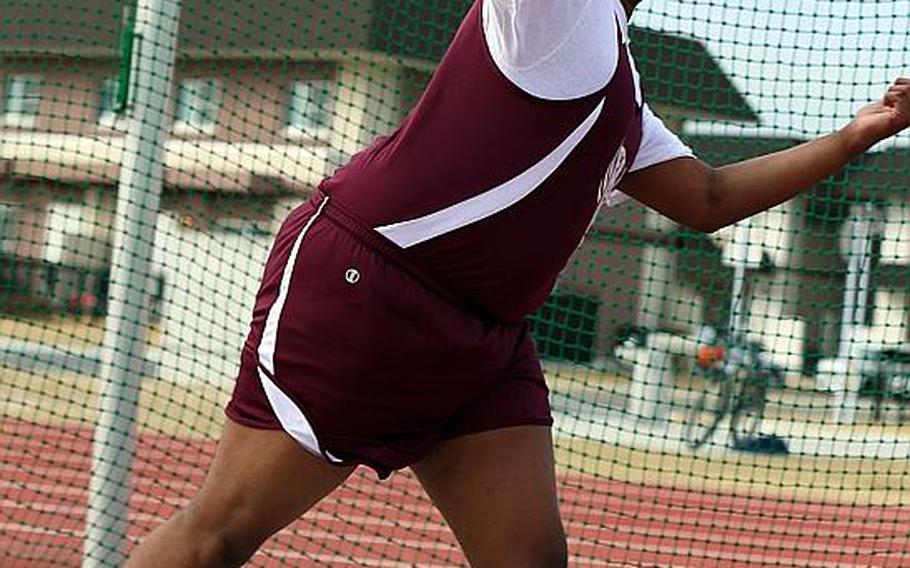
107, 115
197, 106
22, 100
309, 110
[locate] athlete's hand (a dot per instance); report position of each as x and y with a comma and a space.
881, 119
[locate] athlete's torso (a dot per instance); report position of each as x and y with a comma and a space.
488, 187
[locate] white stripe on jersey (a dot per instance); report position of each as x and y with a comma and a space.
415, 231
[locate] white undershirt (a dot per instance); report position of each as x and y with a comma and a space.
567, 49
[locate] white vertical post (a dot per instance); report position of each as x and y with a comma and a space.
867, 231
854, 252
737, 301
741, 253
651, 374
656, 273
856, 243
123, 352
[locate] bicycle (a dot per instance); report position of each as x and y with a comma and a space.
738, 388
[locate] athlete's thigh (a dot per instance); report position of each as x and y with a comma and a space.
497, 490
260, 481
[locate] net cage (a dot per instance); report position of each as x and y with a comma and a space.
728, 399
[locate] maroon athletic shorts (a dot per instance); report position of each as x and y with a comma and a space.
363, 359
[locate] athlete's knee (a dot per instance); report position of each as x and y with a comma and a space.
555, 553
217, 545
550, 551
227, 551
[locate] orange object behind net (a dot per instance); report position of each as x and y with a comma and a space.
708, 355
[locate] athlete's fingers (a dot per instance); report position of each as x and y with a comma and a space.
899, 88
891, 100
898, 99
900, 82
897, 94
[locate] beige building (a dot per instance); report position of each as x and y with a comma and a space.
265, 105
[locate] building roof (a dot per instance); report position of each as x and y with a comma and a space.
877, 174
887, 168
873, 176
677, 71
720, 150
208, 27
681, 72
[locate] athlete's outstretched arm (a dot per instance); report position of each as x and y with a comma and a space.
705, 198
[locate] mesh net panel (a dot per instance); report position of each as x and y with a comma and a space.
729, 399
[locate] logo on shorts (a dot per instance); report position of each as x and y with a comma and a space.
352, 276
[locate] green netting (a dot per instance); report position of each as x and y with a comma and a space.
796, 455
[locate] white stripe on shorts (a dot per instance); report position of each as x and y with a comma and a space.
291, 417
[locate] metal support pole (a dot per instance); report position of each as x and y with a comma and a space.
123, 351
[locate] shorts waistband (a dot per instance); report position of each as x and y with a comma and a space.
359, 229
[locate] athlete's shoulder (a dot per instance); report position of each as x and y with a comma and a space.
555, 49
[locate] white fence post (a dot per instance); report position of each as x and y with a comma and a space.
123, 351
856, 245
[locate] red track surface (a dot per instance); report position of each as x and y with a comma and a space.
44, 474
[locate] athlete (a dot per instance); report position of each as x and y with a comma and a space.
389, 330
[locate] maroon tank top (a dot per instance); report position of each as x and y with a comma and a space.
488, 188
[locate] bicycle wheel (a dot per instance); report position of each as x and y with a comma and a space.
706, 414
749, 411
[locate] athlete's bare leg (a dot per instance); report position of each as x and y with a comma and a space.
260, 481
497, 490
